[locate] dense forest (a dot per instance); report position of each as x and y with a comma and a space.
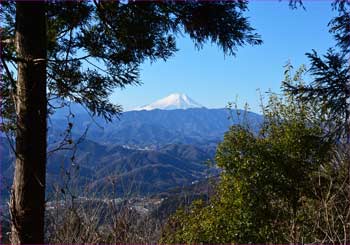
282, 178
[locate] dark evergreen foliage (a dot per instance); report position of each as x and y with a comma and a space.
96, 46
330, 85
80, 51
330, 88
340, 25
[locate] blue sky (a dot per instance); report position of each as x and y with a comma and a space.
212, 79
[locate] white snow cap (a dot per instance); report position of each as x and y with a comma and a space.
172, 102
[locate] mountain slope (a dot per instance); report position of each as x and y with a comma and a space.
155, 128
156, 149
106, 168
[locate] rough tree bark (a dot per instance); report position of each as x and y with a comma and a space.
28, 194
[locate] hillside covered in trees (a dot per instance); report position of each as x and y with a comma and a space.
77, 169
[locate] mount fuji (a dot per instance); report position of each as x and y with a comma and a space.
172, 102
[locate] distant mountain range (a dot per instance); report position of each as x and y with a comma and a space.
143, 152
196, 126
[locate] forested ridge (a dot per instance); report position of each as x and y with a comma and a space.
75, 169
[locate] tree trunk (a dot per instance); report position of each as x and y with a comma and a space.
28, 194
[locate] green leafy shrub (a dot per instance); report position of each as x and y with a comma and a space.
270, 187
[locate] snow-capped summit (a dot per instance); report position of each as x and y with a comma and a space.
172, 102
